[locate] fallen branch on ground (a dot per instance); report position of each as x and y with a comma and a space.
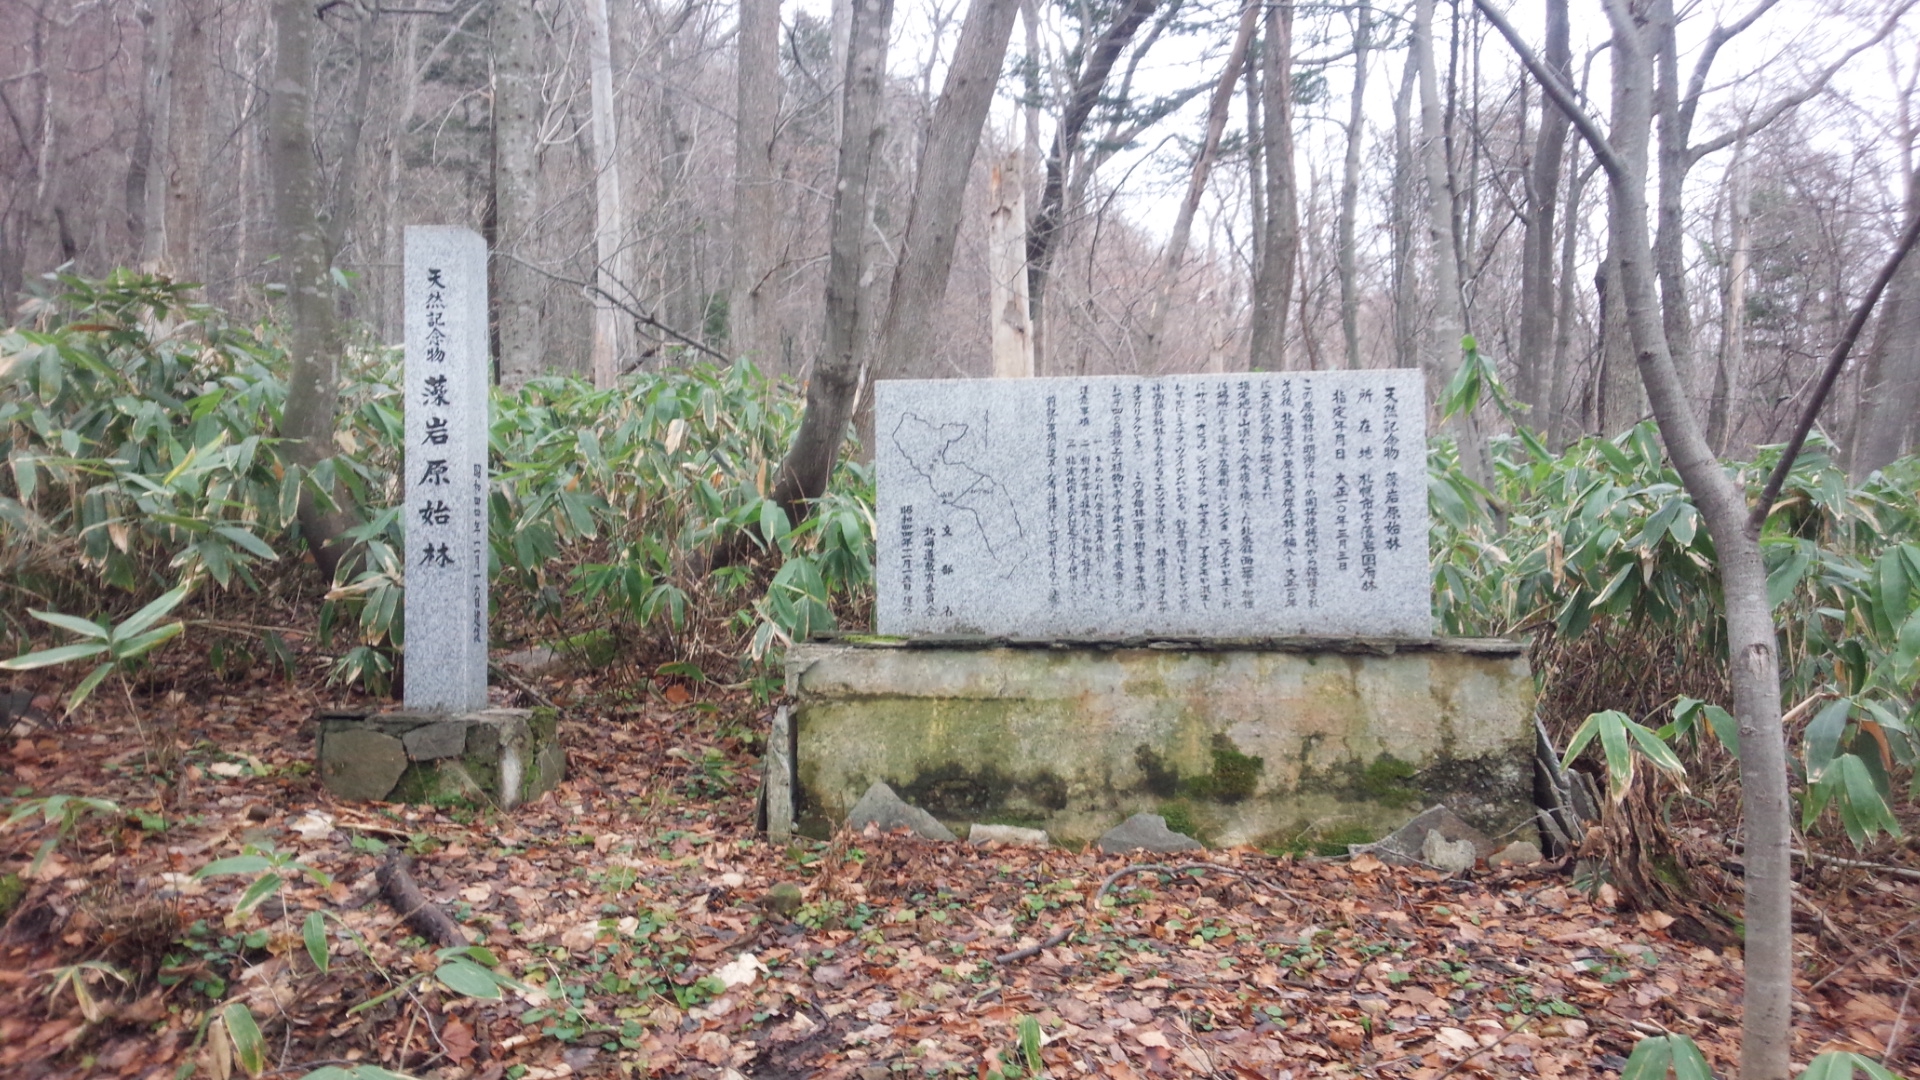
399, 890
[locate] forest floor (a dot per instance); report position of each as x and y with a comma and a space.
632, 909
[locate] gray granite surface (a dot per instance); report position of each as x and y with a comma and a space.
1208, 505
447, 381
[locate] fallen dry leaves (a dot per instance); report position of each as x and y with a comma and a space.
629, 904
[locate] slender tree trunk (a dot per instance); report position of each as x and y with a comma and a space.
1256, 162
187, 170
1280, 233
1557, 376
1675, 159
831, 391
756, 196
940, 183
1350, 186
1406, 348
1176, 252
1753, 657
516, 118
1733, 315
1007, 268
313, 339
1537, 247
152, 144
609, 222
1449, 318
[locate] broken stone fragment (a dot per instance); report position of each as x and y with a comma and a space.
886, 811
1406, 845
1452, 856
1518, 853
1012, 835
1147, 832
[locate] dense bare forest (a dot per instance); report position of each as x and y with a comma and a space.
1185, 185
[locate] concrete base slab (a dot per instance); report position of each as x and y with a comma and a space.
499, 757
1273, 743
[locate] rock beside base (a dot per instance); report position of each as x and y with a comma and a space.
886, 811
1406, 846
498, 757
1012, 835
1147, 832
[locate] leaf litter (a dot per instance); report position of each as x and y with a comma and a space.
635, 911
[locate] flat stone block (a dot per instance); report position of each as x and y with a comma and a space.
1254, 743
501, 757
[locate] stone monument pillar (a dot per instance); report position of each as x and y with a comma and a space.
446, 744
447, 385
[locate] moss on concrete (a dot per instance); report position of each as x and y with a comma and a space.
13, 889
958, 793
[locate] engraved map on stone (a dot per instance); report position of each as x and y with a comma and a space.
1251, 505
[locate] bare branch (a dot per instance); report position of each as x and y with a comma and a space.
1802, 96
1562, 95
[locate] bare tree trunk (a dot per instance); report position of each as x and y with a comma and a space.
1556, 393
609, 222
1622, 399
1890, 383
1256, 166
1350, 186
946, 161
516, 109
1752, 647
1280, 233
1050, 217
756, 196
152, 143
1537, 247
1176, 252
186, 171
1007, 268
1733, 315
313, 339
1406, 347
1675, 159
831, 391
1449, 318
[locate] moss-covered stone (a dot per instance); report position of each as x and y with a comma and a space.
499, 757
1261, 744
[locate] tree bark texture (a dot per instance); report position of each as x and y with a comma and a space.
1280, 232
1007, 268
1733, 309
516, 118
1350, 187
313, 338
940, 183
152, 144
609, 222
752, 319
1537, 309
1406, 346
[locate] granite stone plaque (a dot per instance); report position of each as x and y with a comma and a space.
446, 461
1254, 505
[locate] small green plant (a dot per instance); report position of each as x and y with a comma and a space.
270, 869
64, 813
121, 644
1679, 1057
1623, 741
73, 978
